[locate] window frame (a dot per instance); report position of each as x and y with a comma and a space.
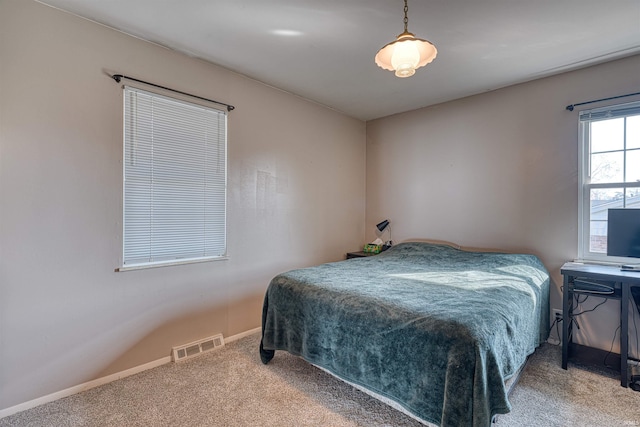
221, 114
584, 179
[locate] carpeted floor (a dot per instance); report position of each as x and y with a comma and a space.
230, 387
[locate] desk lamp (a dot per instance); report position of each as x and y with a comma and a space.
381, 226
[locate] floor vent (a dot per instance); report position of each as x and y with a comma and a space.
197, 347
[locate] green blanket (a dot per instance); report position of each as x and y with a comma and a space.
435, 329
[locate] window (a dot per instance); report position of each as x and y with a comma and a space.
174, 180
609, 173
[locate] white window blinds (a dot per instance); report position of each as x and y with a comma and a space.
174, 180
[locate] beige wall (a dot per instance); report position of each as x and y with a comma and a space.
296, 198
496, 170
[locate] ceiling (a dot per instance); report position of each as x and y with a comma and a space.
323, 50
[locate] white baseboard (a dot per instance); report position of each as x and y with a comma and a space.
81, 387
241, 335
101, 381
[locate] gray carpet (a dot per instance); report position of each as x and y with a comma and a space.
230, 387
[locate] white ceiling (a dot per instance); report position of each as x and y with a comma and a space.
323, 50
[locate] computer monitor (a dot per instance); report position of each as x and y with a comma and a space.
623, 233
623, 239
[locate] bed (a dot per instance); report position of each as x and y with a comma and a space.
432, 328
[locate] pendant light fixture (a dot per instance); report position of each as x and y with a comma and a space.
406, 52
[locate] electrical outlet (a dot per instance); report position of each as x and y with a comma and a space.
557, 314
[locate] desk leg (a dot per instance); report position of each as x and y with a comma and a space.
566, 316
624, 333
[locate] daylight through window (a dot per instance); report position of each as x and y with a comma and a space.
609, 172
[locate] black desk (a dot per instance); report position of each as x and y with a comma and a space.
622, 282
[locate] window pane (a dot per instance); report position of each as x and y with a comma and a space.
607, 167
601, 201
610, 138
607, 135
633, 132
633, 166
633, 198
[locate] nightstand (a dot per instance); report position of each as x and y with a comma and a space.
360, 254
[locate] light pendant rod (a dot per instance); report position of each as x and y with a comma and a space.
407, 53
406, 18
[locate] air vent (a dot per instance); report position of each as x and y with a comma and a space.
198, 347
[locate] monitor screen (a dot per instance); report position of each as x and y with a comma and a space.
623, 233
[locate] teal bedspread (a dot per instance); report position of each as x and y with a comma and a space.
436, 329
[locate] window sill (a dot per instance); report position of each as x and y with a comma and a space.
612, 261
169, 263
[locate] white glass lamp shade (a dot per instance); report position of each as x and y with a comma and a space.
406, 54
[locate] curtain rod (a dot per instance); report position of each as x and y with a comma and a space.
570, 107
119, 77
